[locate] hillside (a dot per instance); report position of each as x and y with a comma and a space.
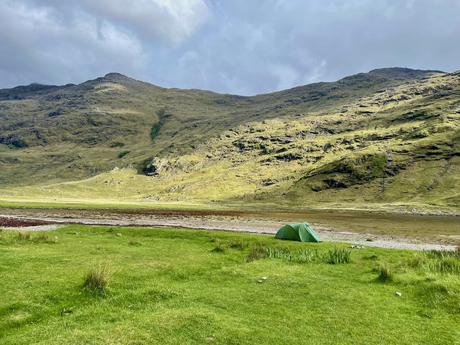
387, 137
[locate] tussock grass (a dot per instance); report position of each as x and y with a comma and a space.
437, 261
385, 274
338, 256
45, 238
158, 294
23, 236
135, 243
371, 257
443, 254
449, 265
218, 248
238, 245
300, 256
303, 255
257, 252
97, 280
27, 236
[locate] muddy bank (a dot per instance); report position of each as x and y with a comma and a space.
15, 222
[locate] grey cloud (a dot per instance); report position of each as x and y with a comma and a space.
237, 46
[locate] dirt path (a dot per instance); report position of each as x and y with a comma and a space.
226, 223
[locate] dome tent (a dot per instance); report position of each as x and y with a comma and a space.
301, 232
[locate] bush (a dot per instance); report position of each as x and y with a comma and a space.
97, 280
123, 153
338, 256
162, 115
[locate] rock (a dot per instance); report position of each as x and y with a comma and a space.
152, 167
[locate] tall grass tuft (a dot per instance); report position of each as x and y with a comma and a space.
449, 265
238, 244
257, 252
45, 238
385, 274
437, 261
299, 256
218, 248
338, 256
97, 280
443, 254
23, 236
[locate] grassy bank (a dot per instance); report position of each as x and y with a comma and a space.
175, 286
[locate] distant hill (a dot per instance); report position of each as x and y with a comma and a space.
389, 136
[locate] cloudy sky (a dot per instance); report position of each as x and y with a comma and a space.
233, 46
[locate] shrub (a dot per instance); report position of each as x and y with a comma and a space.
338, 256
385, 274
97, 280
123, 153
162, 115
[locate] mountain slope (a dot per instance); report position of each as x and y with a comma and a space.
387, 136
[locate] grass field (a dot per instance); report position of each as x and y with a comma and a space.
176, 286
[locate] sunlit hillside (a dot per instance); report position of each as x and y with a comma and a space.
388, 137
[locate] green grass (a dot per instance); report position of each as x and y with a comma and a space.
168, 286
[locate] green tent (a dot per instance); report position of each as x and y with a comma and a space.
302, 232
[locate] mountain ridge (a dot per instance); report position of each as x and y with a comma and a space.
330, 141
116, 76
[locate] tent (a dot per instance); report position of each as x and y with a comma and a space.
302, 232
